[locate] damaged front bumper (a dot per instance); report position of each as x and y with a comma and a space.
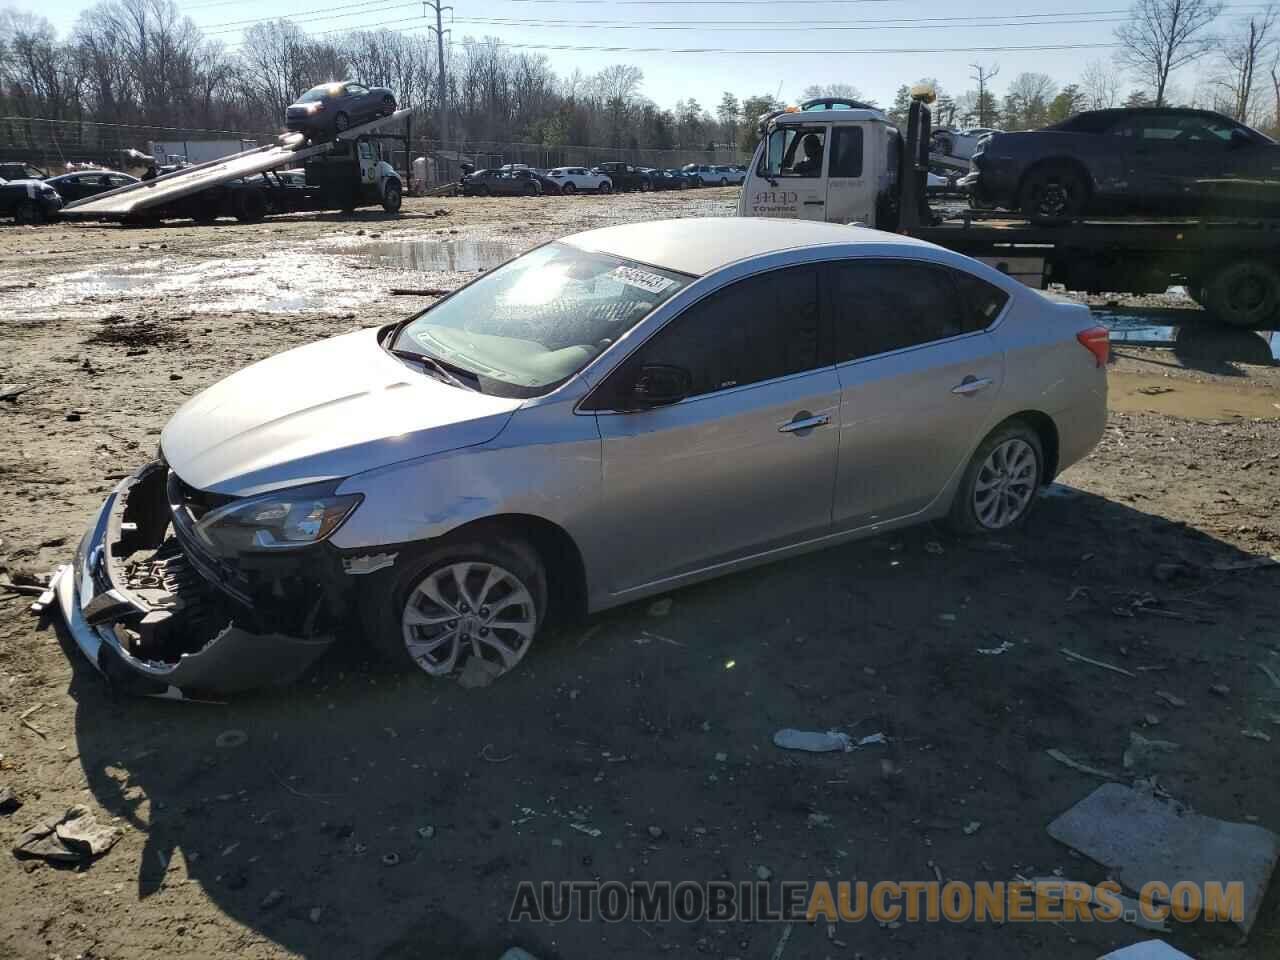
153, 620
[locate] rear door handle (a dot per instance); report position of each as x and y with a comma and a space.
805, 423
971, 385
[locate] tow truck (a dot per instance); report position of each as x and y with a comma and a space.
341, 174
861, 169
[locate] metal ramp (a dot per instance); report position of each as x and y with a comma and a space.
292, 148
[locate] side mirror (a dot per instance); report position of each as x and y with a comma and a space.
658, 385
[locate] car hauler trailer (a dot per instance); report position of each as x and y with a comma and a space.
341, 174
853, 166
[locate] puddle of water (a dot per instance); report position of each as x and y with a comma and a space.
433, 256
1135, 393
1196, 340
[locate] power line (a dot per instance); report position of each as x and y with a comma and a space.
352, 9
790, 28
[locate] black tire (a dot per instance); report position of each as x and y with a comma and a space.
964, 517
251, 206
531, 190
341, 121
1053, 194
568, 189
383, 607
645, 186
724, 181
482, 191
606, 187
684, 184
392, 197
29, 212
1244, 294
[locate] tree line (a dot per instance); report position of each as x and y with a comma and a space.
144, 62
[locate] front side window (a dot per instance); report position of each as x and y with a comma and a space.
846, 152
355, 90
794, 152
881, 306
757, 329
1183, 128
322, 92
532, 323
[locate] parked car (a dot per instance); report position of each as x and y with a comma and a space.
20, 170
550, 186
701, 174
728, 176
575, 179
624, 176
709, 393
666, 180
959, 144
29, 201
500, 183
86, 183
333, 107
1152, 160
690, 180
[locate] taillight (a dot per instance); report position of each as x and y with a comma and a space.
1097, 340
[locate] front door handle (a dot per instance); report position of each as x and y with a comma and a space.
804, 423
971, 385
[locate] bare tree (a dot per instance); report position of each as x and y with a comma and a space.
1100, 84
846, 91
1242, 52
1163, 35
985, 106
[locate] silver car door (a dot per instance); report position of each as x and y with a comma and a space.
919, 379
746, 461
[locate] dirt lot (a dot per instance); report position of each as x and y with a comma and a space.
282, 846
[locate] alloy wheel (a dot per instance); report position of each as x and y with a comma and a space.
468, 608
1005, 485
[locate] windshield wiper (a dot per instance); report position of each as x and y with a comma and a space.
442, 370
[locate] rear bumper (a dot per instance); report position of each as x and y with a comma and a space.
176, 636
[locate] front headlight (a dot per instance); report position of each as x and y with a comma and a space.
284, 520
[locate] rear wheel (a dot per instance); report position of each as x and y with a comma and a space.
1244, 294
28, 211
606, 187
392, 197
531, 190
1052, 194
999, 486
251, 206
482, 191
645, 186
480, 598
568, 188
341, 121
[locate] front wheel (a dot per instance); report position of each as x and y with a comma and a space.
250, 206
999, 486
1052, 194
606, 188
1244, 294
645, 186
482, 191
483, 598
340, 122
568, 189
724, 182
392, 197
29, 211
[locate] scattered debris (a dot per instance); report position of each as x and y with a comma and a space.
812, 741
763, 873
419, 292
229, 739
1146, 950
1115, 825
1253, 563
315, 913
1081, 658
1130, 909
781, 948
73, 837
972, 827
1221, 689
1170, 699
1151, 720
1141, 751
592, 832
932, 546
22, 718
1081, 767
1254, 734
273, 899
11, 391
660, 608
427, 832
818, 820
1004, 647
484, 755
655, 832
517, 953
9, 801
1271, 675
391, 859
1166, 572
478, 672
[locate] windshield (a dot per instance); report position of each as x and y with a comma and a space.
534, 322
319, 93
794, 152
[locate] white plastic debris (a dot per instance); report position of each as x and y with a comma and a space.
1004, 647
812, 741
1147, 950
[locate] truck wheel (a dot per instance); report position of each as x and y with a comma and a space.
1244, 294
392, 198
28, 211
1052, 194
251, 206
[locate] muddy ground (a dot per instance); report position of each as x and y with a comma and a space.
375, 815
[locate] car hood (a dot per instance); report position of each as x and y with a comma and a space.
324, 411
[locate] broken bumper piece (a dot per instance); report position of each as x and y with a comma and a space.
151, 622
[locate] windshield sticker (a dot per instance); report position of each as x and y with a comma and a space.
633, 277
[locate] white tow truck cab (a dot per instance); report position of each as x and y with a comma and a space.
829, 159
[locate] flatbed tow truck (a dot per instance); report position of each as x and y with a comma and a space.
868, 172
341, 174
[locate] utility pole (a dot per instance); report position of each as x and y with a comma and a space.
983, 75
444, 84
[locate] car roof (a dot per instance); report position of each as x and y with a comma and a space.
703, 245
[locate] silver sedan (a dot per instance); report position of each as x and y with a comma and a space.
611, 416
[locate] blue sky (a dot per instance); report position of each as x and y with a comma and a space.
758, 26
